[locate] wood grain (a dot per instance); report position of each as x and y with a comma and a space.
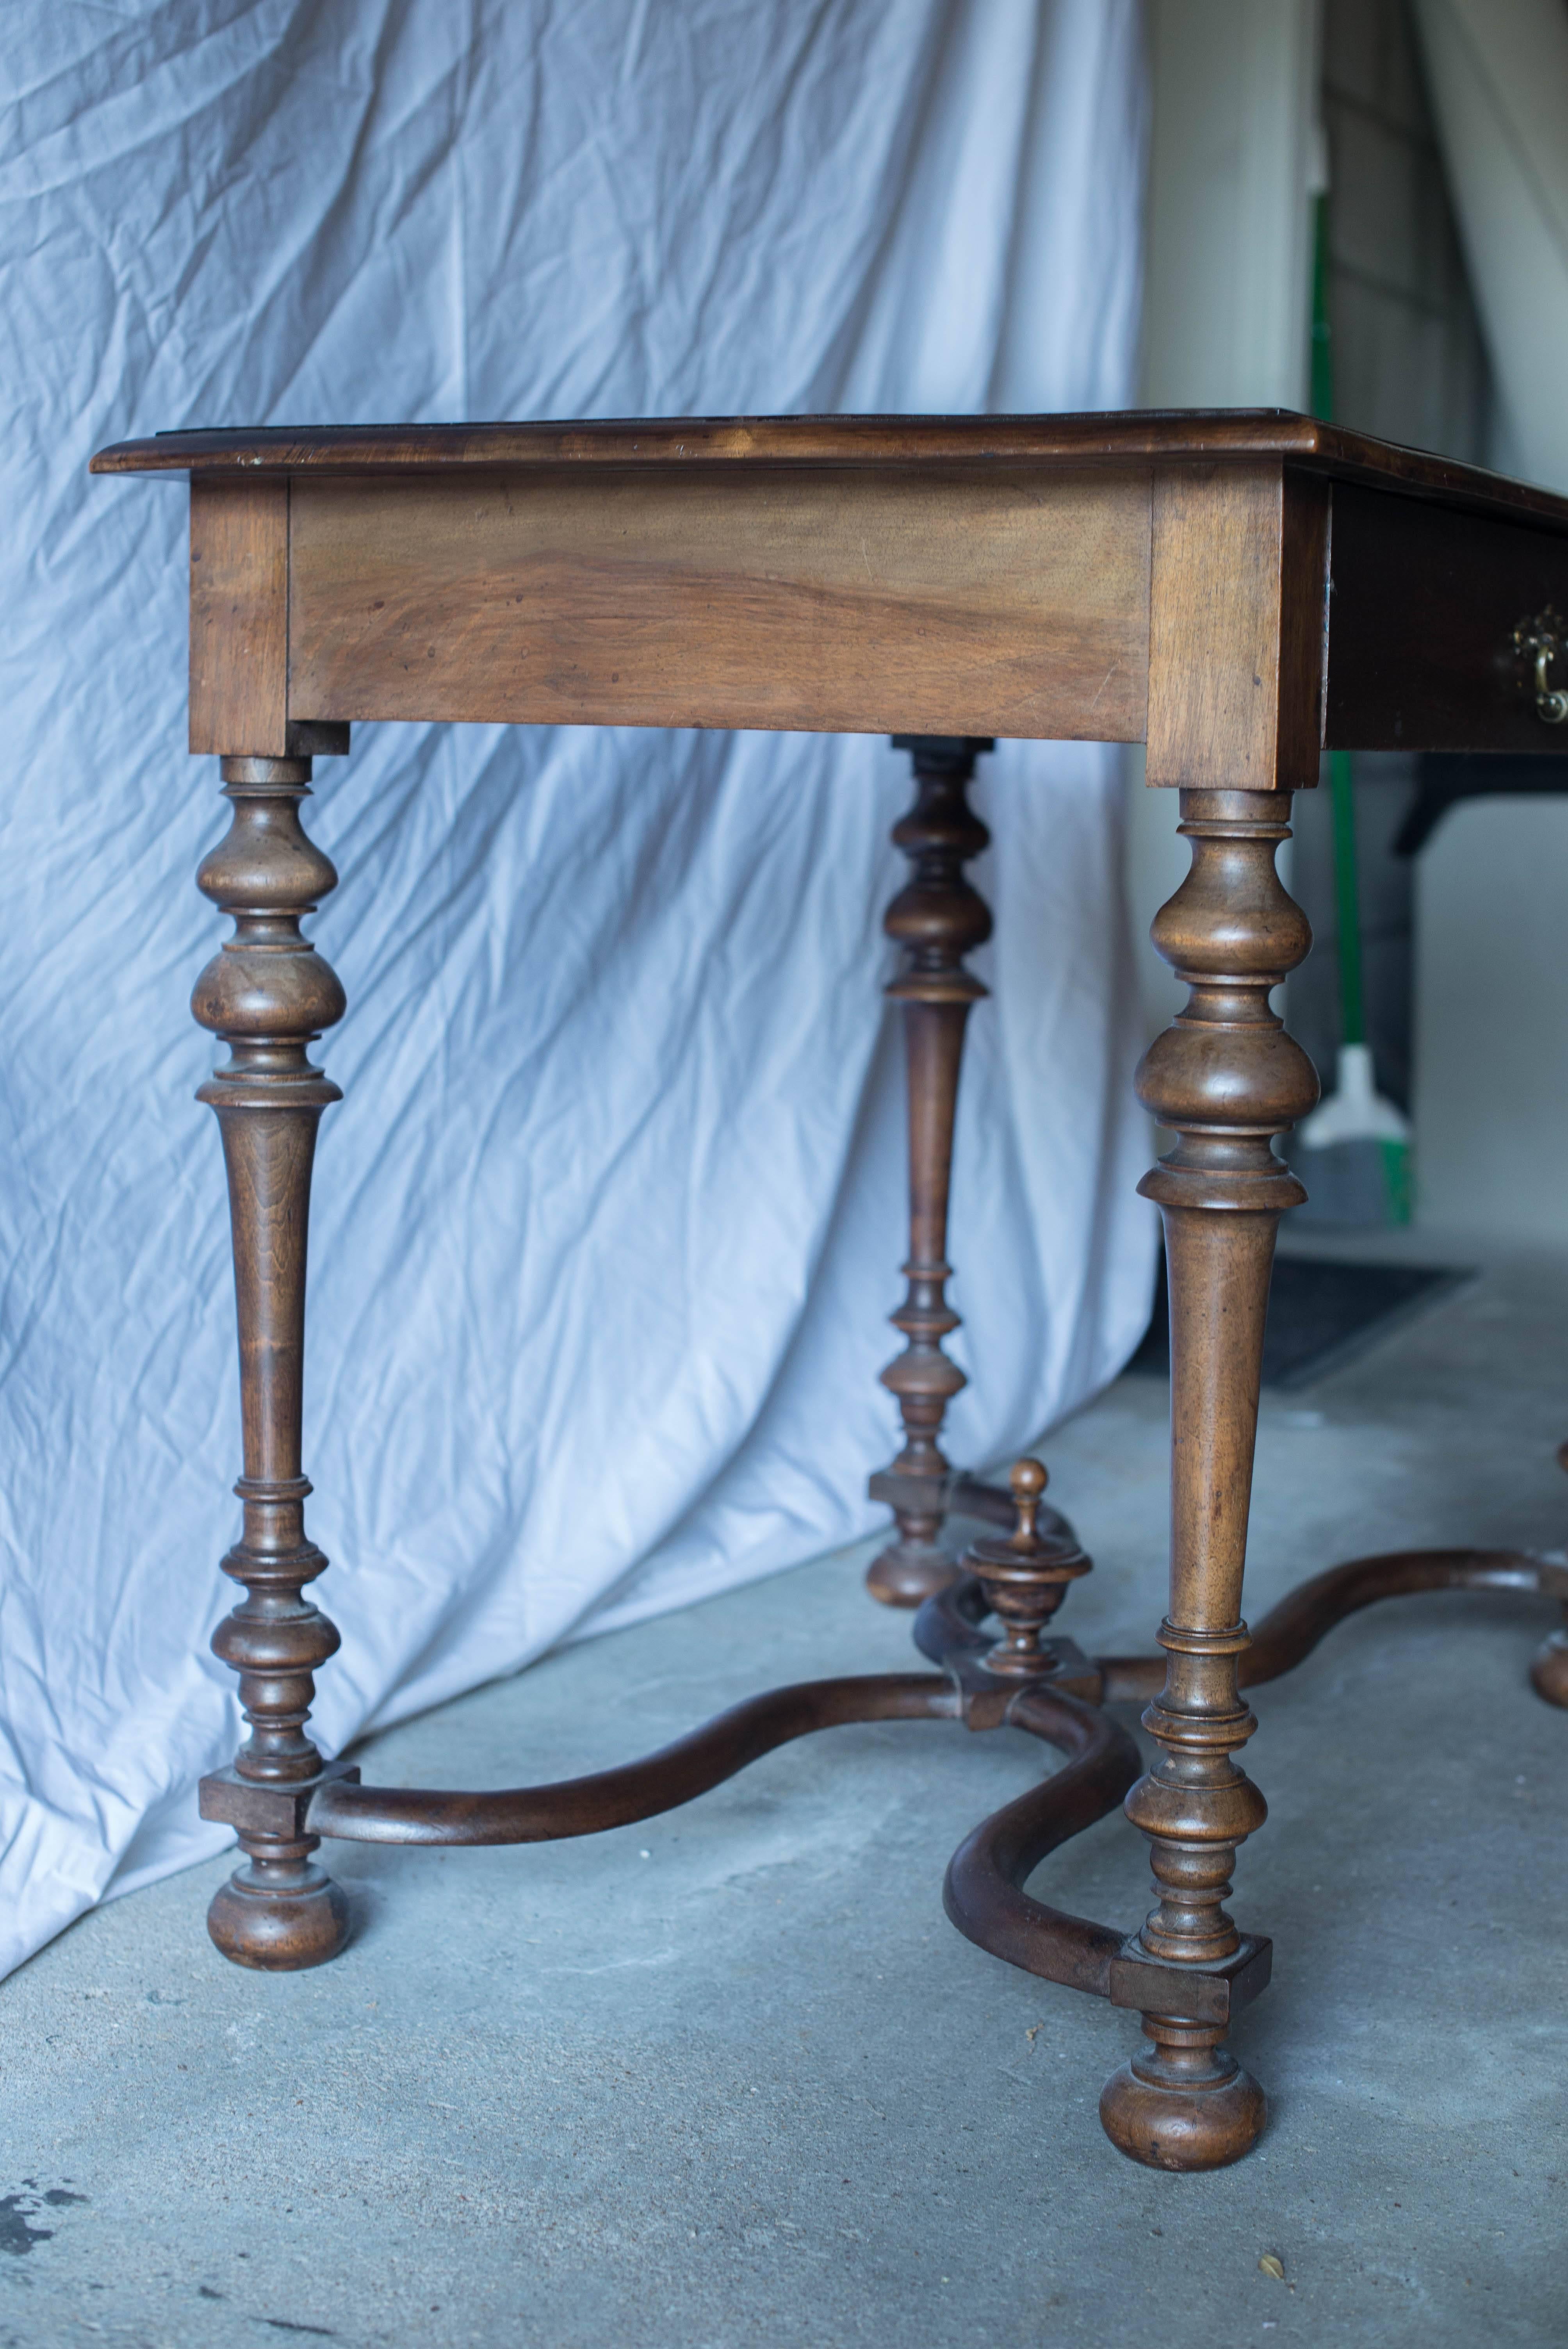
937, 920
958, 577
1236, 628
880, 602
1225, 1078
1420, 653
1303, 588
239, 626
268, 995
1131, 437
239, 616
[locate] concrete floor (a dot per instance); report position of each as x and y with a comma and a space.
729, 2077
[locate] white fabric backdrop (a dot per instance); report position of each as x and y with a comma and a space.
607, 1225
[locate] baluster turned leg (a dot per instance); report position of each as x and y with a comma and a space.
267, 995
1549, 1667
937, 920
1227, 1078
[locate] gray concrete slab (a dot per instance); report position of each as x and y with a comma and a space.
729, 2078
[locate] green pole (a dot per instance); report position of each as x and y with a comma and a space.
1395, 1156
1321, 348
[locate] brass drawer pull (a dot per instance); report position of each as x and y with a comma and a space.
1540, 641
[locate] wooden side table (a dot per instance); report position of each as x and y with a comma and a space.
1238, 590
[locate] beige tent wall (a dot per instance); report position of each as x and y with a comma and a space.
1490, 1095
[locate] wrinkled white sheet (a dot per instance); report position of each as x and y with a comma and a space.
607, 1225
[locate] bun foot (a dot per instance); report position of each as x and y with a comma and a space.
1549, 1670
1170, 2118
279, 1916
908, 1573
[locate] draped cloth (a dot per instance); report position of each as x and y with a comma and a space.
608, 1222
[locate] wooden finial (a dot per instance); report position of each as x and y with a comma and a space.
1028, 1479
1025, 1577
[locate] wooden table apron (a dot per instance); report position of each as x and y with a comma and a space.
1238, 592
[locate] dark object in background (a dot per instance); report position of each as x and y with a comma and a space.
1322, 1313
1446, 777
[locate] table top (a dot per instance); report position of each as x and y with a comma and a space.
1203, 436
1233, 587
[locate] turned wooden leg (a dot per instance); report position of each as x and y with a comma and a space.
267, 995
1549, 1667
937, 920
1227, 1078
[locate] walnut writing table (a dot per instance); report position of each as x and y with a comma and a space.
1236, 590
